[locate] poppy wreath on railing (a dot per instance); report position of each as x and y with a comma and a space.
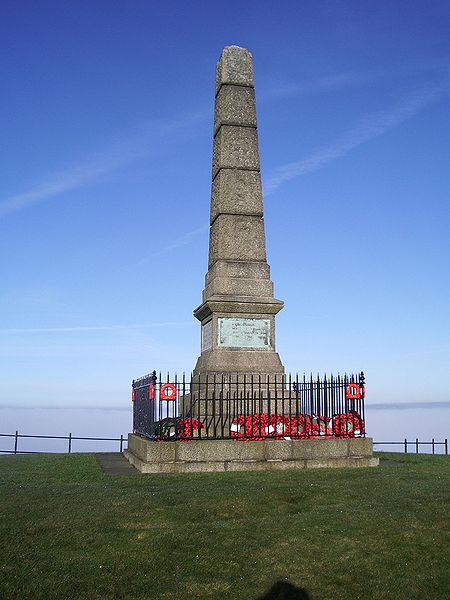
263, 425
182, 429
348, 425
186, 427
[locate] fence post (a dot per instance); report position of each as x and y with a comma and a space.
70, 442
121, 441
446, 445
16, 438
417, 445
432, 445
406, 446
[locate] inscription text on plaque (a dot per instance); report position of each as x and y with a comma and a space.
243, 333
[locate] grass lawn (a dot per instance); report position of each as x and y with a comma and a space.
69, 531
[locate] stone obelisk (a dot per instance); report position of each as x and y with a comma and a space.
238, 310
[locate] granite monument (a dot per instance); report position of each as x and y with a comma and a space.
238, 308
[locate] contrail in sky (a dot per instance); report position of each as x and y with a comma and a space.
93, 328
337, 81
118, 155
121, 153
131, 148
61, 182
177, 243
371, 126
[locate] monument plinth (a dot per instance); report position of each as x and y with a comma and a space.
238, 310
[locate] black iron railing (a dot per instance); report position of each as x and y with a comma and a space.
416, 444
16, 448
246, 407
120, 442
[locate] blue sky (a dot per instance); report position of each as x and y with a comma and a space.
106, 142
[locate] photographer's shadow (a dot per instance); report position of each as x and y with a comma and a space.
283, 590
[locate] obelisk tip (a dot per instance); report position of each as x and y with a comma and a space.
235, 67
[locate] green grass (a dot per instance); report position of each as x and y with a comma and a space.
69, 531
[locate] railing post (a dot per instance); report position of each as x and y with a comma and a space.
16, 438
121, 441
417, 445
70, 442
446, 445
432, 445
406, 446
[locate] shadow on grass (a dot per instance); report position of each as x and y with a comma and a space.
283, 590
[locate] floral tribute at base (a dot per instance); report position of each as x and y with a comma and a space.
298, 427
261, 426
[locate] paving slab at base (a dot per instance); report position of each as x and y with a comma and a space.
230, 455
114, 463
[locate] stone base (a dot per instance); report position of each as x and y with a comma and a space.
250, 363
195, 456
219, 414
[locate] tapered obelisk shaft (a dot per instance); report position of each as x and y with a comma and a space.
238, 308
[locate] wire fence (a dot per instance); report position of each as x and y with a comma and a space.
119, 444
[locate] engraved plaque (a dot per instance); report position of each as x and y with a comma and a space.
244, 333
207, 336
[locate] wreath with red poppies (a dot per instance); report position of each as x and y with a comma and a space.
261, 426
